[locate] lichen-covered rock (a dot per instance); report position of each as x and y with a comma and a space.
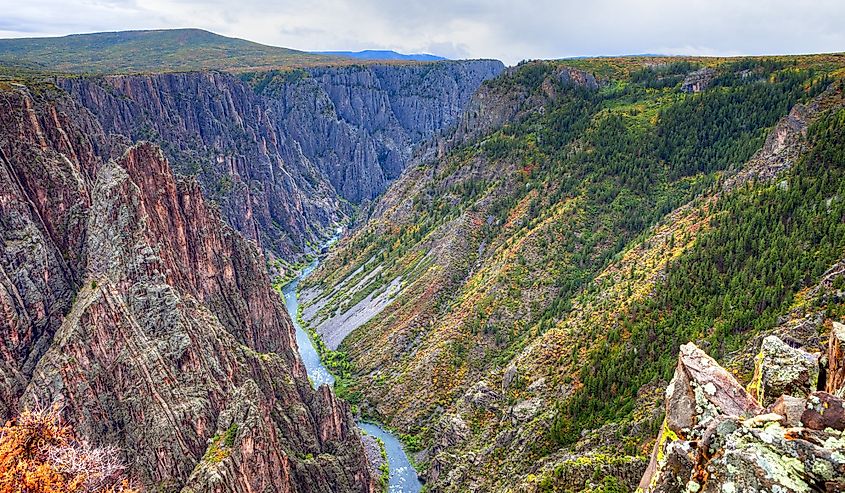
762, 455
781, 369
824, 411
700, 393
701, 390
733, 445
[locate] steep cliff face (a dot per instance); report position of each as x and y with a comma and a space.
216, 128
375, 117
127, 301
280, 158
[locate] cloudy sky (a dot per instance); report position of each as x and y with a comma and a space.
507, 30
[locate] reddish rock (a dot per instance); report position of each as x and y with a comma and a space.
824, 411
836, 360
791, 408
700, 393
127, 300
729, 443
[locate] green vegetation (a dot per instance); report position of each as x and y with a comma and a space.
664, 75
590, 150
172, 50
384, 467
337, 362
560, 239
271, 82
766, 243
592, 468
285, 272
723, 127
221, 445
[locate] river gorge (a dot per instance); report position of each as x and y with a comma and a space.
402, 475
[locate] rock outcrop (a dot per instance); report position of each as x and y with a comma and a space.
699, 80
281, 158
781, 369
717, 438
835, 383
128, 301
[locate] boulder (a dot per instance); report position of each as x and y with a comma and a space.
782, 369
701, 390
790, 408
762, 455
700, 393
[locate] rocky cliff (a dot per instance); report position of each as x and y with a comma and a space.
718, 437
128, 302
281, 152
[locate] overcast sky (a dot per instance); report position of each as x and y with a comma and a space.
507, 30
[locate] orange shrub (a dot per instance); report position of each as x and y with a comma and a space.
39, 454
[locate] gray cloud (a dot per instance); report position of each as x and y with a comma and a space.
507, 30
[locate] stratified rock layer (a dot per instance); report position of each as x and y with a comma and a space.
130, 303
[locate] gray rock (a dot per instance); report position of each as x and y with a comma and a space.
279, 162
509, 377
698, 81
781, 369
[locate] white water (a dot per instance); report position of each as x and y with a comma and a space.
403, 477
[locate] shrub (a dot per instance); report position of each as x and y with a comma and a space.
39, 454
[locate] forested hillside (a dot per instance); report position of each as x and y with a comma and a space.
535, 280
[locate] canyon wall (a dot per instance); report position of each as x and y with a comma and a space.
128, 302
283, 152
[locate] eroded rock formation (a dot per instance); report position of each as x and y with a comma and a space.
281, 159
127, 301
699, 80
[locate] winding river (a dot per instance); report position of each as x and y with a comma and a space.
403, 477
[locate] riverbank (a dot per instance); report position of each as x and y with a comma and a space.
401, 475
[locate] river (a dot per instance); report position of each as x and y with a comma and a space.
403, 477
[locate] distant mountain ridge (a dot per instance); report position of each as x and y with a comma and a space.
383, 55
151, 51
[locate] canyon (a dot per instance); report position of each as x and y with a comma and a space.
130, 304
287, 155
140, 216
596, 275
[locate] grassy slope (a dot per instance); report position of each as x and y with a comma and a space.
171, 50
542, 235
